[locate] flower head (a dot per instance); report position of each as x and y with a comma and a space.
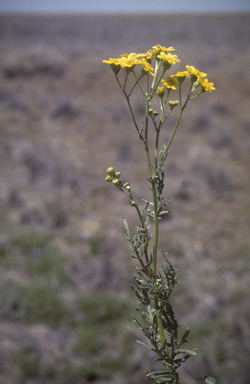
171, 59
146, 66
181, 74
128, 60
171, 83
111, 61
125, 60
147, 55
195, 72
158, 48
206, 85
160, 91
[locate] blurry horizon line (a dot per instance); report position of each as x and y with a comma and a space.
126, 13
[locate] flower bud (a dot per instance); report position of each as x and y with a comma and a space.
111, 171
173, 104
116, 182
117, 175
108, 178
125, 185
196, 84
133, 203
155, 113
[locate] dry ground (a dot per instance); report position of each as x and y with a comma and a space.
63, 121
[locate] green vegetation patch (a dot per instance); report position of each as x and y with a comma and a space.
99, 317
103, 307
35, 303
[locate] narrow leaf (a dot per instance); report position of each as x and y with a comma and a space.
145, 345
188, 351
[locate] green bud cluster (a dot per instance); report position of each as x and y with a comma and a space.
152, 112
114, 177
173, 104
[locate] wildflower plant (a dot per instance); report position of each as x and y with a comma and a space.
154, 288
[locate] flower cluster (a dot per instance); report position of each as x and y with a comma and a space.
200, 76
144, 59
162, 57
173, 81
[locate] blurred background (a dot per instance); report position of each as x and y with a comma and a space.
65, 302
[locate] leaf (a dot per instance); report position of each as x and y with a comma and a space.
161, 377
188, 351
148, 202
127, 228
145, 345
208, 379
163, 212
183, 337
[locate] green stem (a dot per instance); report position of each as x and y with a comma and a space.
156, 146
137, 82
143, 226
174, 131
156, 225
155, 247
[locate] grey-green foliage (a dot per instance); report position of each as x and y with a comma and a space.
150, 288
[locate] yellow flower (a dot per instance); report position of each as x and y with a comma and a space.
146, 66
170, 83
125, 60
112, 61
206, 85
195, 72
160, 91
180, 74
147, 56
171, 59
133, 54
158, 48
128, 60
